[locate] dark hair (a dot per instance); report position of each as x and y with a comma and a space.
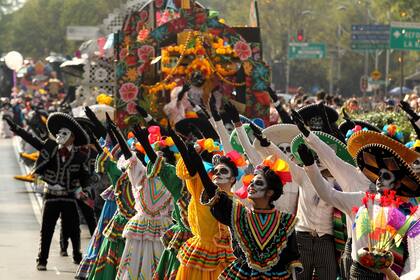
274, 183
321, 95
230, 164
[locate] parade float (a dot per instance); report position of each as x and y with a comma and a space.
164, 42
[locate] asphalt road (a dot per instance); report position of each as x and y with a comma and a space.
20, 224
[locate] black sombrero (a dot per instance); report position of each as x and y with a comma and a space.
373, 159
87, 125
62, 120
345, 126
312, 116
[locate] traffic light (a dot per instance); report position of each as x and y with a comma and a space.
300, 35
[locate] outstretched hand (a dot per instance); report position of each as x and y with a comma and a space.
259, 135
297, 119
410, 112
232, 113
306, 155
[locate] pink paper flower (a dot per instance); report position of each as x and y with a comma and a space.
243, 50
144, 16
131, 108
146, 52
128, 92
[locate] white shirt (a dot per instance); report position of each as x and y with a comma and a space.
314, 214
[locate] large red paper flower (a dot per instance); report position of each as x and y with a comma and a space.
146, 52
128, 92
131, 108
243, 50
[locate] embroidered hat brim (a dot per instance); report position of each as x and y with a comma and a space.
363, 138
373, 159
338, 146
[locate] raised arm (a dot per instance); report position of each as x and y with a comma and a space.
121, 141
142, 137
344, 201
26, 136
412, 116
183, 152
220, 127
100, 130
284, 116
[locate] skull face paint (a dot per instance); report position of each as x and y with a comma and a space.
258, 187
222, 174
386, 180
416, 166
63, 136
285, 148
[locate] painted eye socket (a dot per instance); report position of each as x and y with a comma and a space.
386, 175
222, 170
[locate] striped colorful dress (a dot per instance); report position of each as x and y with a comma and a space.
103, 165
177, 234
143, 247
266, 238
206, 254
112, 248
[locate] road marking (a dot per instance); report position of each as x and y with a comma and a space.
57, 272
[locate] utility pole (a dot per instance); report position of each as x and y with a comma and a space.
366, 70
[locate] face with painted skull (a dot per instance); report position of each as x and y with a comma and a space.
223, 172
386, 180
258, 187
64, 136
416, 166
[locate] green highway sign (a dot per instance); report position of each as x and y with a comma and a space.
405, 36
367, 46
307, 50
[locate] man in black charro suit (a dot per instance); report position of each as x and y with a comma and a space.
62, 165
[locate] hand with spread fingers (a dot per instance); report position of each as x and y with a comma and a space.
259, 135
299, 123
410, 112
306, 155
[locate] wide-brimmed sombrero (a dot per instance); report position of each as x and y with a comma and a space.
56, 121
363, 138
279, 134
312, 116
345, 126
376, 159
338, 146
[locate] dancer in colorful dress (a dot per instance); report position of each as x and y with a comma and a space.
266, 238
177, 234
104, 164
209, 251
153, 204
109, 256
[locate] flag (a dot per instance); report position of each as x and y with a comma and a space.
254, 20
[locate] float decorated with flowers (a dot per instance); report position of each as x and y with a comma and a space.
164, 42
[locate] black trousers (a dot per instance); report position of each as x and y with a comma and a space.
89, 215
317, 254
54, 207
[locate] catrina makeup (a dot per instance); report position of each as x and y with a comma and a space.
63, 136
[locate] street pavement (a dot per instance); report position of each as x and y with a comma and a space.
20, 214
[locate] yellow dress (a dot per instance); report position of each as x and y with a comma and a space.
205, 255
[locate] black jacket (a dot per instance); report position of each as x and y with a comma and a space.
71, 173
